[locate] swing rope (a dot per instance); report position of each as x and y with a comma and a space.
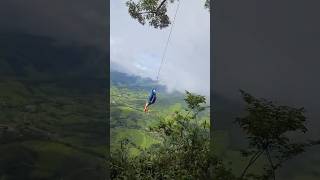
168, 40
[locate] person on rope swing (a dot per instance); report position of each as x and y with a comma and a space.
151, 100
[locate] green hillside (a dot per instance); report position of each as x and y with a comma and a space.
128, 95
52, 110
49, 131
171, 141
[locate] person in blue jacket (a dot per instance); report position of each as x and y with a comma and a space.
151, 100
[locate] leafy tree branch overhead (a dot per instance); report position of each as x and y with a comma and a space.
153, 12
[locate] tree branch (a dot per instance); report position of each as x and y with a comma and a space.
154, 12
271, 163
161, 4
148, 12
252, 160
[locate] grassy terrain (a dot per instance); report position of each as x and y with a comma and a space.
129, 121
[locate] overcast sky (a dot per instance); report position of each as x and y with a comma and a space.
137, 49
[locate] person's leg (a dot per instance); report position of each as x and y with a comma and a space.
146, 107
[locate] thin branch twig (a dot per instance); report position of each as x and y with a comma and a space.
271, 163
252, 160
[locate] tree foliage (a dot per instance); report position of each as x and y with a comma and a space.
153, 11
267, 126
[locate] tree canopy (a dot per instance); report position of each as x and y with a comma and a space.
153, 12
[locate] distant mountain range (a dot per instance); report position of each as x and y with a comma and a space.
25, 55
39, 60
134, 82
